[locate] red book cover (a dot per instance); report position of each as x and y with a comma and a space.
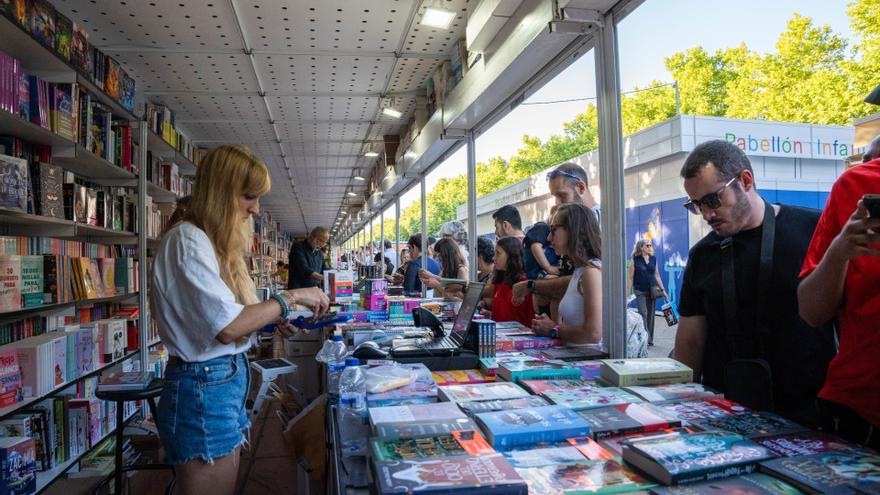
10, 378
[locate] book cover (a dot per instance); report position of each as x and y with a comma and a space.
128, 89
113, 79
589, 369
476, 407
94, 278
582, 478
46, 181
573, 353
505, 429
415, 413
91, 206
647, 371
689, 457
751, 424
77, 427
31, 281
482, 391
521, 342
126, 380
42, 22
13, 183
751, 484
461, 377
10, 283
59, 361
696, 410
542, 454
614, 445
85, 344
590, 397
474, 474
10, 378
624, 419
591, 449
458, 443
63, 35
805, 443
534, 369
540, 386
115, 338
829, 472
18, 458
81, 51
107, 269
402, 429
673, 391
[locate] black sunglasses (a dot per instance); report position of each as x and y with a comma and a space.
556, 173
711, 200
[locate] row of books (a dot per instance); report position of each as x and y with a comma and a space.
71, 42
30, 246
160, 120
594, 433
36, 366
166, 175
33, 281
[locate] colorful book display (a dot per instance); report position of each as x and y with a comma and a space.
673, 392
753, 484
751, 424
505, 429
590, 397
476, 407
834, 472
527, 368
481, 392
583, 478
490, 474
625, 419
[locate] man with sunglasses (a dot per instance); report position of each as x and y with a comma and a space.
568, 183
740, 330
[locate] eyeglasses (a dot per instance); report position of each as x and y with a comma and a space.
711, 200
556, 173
648, 245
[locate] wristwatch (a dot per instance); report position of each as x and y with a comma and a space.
554, 332
530, 285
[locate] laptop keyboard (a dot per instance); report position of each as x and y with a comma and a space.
445, 343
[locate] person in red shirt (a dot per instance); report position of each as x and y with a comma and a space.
839, 279
498, 296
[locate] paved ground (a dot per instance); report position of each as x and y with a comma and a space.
664, 338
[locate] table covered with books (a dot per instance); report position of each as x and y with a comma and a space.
538, 418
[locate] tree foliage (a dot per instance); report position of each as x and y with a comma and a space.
812, 76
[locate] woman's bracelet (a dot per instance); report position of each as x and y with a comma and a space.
285, 308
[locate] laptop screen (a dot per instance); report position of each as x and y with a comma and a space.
468, 307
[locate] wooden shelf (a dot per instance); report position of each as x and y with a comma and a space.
6, 411
83, 162
45, 478
18, 313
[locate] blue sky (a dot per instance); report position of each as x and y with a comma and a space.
657, 29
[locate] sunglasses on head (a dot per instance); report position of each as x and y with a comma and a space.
559, 173
711, 200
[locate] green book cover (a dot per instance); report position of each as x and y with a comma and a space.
31, 281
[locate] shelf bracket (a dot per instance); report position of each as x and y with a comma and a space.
577, 21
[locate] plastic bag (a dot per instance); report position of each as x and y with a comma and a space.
333, 350
384, 378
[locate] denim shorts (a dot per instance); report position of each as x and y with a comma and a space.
201, 411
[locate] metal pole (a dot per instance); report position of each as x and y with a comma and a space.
611, 180
677, 98
397, 229
424, 232
143, 263
472, 203
370, 259
382, 236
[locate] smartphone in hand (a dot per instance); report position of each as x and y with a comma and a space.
872, 204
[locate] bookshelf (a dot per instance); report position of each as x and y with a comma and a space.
91, 170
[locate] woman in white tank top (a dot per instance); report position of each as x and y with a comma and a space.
574, 232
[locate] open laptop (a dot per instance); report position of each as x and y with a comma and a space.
450, 343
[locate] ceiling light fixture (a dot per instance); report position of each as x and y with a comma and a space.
371, 154
437, 17
358, 177
351, 193
391, 112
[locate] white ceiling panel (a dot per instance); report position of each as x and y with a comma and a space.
322, 131
215, 107
427, 40
324, 108
322, 73
374, 25
214, 133
152, 24
169, 71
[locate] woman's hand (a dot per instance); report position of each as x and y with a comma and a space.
542, 324
284, 328
429, 279
311, 297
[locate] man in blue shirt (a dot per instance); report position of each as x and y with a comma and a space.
411, 282
307, 260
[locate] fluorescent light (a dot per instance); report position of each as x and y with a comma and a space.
358, 177
437, 18
372, 154
390, 112
351, 193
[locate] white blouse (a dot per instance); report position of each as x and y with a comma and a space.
571, 307
192, 303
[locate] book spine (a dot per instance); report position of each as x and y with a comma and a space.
655, 378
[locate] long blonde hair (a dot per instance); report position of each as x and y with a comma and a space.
225, 174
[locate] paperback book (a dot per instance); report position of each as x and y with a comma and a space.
543, 454
614, 445
751, 484
434, 428
573, 353
130, 380
751, 424
647, 371
476, 407
506, 429
538, 387
697, 410
458, 443
625, 419
582, 478
461, 377
461, 475
482, 391
829, 472
673, 391
590, 397
679, 458
805, 443
534, 369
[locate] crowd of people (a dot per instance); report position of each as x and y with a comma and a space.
778, 306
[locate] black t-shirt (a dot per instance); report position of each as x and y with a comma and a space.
797, 353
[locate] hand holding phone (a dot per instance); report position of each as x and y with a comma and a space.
872, 204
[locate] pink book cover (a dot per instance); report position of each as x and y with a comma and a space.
59, 361
95, 275
85, 345
10, 283
27, 361
10, 378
